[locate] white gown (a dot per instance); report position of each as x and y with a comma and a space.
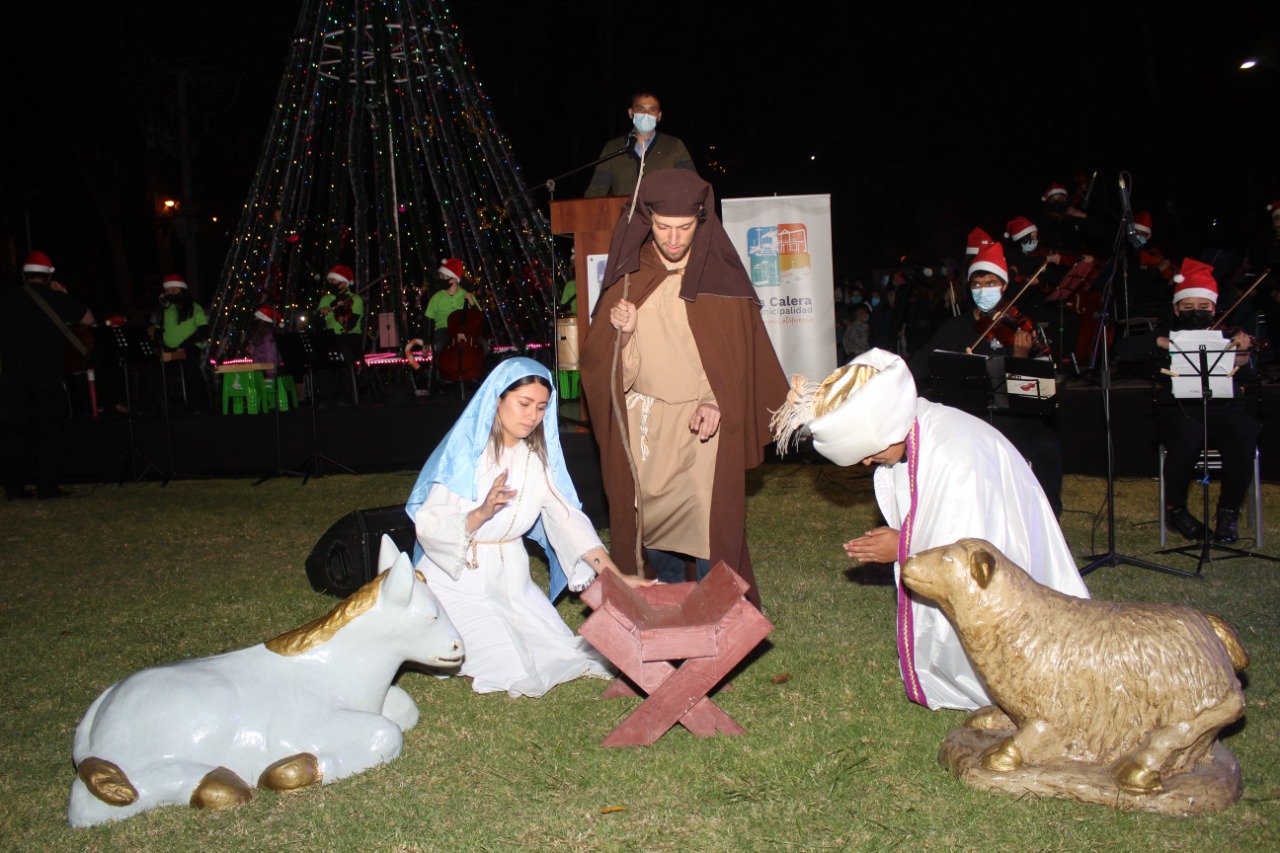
513, 638
971, 483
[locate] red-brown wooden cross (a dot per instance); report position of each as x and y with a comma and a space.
672, 643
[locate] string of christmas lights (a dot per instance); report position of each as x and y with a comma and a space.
384, 154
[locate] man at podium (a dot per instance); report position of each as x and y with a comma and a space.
618, 174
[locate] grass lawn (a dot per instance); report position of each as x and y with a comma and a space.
121, 578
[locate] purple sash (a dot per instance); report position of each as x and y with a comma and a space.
906, 632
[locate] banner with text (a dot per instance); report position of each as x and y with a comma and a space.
785, 244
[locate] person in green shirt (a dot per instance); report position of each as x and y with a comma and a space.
343, 312
184, 328
451, 297
341, 307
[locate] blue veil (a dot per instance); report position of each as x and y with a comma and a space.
453, 462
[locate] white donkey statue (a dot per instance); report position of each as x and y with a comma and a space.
310, 706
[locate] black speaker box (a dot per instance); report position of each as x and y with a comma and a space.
346, 557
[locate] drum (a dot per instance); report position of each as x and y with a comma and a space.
567, 342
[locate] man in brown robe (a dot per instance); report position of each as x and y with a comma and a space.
694, 379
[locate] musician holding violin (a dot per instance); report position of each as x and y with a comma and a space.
33, 403
1233, 428
994, 326
342, 308
343, 312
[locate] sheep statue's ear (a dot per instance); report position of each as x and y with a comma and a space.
982, 564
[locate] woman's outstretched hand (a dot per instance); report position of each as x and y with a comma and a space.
498, 497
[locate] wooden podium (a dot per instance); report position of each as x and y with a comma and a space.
590, 221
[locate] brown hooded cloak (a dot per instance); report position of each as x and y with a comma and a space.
736, 353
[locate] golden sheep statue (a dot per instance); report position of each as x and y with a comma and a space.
1105, 702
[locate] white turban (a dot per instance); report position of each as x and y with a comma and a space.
854, 413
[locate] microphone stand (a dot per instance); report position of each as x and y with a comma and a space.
1112, 557
550, 185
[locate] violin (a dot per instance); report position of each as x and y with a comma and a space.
341, 309
1004, 324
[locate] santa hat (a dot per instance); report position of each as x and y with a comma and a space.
1195, 280
341, 273
267, 314
1142, 223
38, 262
1019, 227
1274, 207
174, 281
990, 259
1054, 189
976, 240
451, 268
856, 412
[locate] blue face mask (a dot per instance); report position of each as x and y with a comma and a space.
855, 299
1140, 239
875, 300
644, 122
985, 298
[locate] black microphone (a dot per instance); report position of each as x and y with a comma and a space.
1127, 222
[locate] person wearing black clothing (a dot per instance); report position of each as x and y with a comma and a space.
1035, 440
1233, 428
33, 399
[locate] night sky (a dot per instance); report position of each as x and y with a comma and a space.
920, 125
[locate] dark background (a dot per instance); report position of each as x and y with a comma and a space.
921, 123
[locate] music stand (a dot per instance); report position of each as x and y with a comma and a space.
312, 349
961, 380
1023, 386
170, 473
131, 347
1194, 374
280, 471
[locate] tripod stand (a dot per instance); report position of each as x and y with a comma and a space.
1199, 378
311, 350
1111, 557
280, 471
133, 347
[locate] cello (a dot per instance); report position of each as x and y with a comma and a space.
462, 359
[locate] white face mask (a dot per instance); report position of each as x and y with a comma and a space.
985, 298
1029, 246
644, 122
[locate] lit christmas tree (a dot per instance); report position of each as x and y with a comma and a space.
384, 154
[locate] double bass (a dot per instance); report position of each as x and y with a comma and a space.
462, 359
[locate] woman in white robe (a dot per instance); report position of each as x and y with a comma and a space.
500, 475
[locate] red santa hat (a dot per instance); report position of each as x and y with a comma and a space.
1019, 227
1142, 223
990, 259
1195, 280
174, 281
451, 268
267, 314
1054, 189
976, 240
341, 273
38, 262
